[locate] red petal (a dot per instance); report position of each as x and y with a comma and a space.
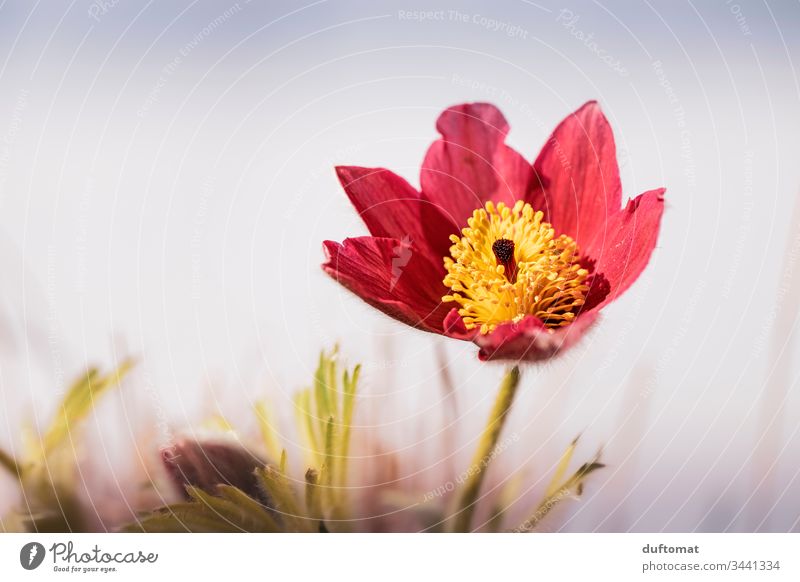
392, 208
578, 166
529, 340
454, 327
392, 276
632, 234
472, 164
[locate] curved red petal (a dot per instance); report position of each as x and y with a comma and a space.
392, 208
454, 327
471, 164
392, 276
578, 167
623, 254
530, 341
527, 340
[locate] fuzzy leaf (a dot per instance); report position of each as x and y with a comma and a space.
267, 428
348, 408
314, 498
280, 492
558, 491
242, 515
305, 421
265, 522
78, 403
508, 495
189, 517
561, 469
321, 396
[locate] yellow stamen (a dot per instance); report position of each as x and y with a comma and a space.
547, 281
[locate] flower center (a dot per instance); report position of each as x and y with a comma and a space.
508, 264
503, 250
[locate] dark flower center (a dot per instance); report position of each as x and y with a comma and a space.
503, 250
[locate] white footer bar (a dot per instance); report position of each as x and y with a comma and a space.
406, 557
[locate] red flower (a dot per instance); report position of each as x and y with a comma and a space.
515, 257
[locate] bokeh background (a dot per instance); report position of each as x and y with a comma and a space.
166, 181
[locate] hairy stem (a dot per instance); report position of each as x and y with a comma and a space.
486, 446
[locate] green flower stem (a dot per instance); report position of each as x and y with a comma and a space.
483, 455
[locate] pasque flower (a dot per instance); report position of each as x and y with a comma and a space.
208, 464
517, 257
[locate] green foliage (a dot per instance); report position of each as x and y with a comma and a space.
324, 415
78, 403
230, 510
317, 502
561, 488
266, 426
46, 473
325, 419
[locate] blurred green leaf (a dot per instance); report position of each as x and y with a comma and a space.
78, 403
348, 408
508, 494
231, 510
236, 512
561, 469
190, 517
47, 471
264, 520
314, 498
321, 395
266, 426
279, 490
305, 422
558, 490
